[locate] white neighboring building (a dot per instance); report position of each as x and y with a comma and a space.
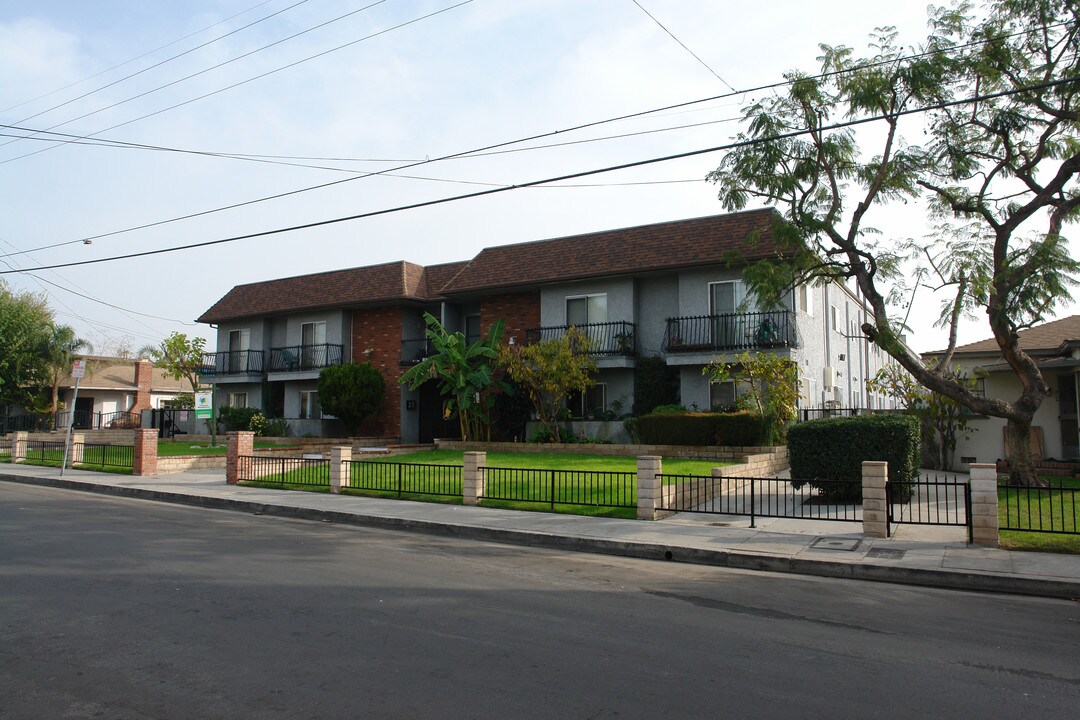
1055, 346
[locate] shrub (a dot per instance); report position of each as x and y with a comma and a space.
237, 418
278, 427
835, 448
351, 393
735, 429
655, 383
741, 429
669, 409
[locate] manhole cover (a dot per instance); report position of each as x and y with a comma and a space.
885, 553
842, 544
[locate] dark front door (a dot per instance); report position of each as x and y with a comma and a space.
84, 413
433, 423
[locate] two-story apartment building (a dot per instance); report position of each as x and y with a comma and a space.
672, 289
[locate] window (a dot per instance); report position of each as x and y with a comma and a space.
586, 310
722, 395
238, 399
806, 299
472, 328
835, 318
590, 404
309, 405
313, 342
239, 344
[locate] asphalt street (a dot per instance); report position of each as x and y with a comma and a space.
128, 609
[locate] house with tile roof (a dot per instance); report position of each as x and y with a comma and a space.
1055, 346
672, 289
115, 391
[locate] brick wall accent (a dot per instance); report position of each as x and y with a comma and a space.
376, 338
238, 442
520, 311
144, 373
144, 461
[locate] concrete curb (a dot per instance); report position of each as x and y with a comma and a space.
980, 581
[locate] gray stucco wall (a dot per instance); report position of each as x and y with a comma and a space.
258, 334
620, 299
657, 300
335, 327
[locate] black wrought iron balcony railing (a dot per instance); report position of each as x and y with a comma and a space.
234, 362
413, 351
734, 331
610, 338
301, 358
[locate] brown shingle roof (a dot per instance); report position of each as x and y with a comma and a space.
1046, 337
708, 240
682, 243
374, 283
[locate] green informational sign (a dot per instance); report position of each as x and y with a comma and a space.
203, 405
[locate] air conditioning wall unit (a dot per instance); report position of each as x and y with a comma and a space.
828, 376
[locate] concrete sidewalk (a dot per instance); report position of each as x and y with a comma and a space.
917, 555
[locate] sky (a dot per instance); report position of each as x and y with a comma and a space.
310, 97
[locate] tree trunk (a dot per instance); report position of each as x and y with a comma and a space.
1021, 462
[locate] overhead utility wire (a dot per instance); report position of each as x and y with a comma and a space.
137, 57
681, 43
149, 68
256, 77
570, 176
466, 153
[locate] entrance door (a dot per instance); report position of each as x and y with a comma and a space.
84, 414
724, 301
432, 423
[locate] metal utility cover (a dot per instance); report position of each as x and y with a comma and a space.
832, 543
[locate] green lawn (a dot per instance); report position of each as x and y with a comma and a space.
422, 476
1057, 509
170, 448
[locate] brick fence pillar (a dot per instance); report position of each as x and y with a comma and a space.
473, 477
339, 468
875, 511
77, 449
144, 460
18, 447
649, 469
239, 443
984, 504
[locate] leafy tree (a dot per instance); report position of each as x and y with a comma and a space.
59, 349
993, 100
549, 370
773, 387
465, 371
351, 393
944, 420
25, 322
179, 356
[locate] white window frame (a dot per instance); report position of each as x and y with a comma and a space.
806, 299
238, 400
309, 408
589, 320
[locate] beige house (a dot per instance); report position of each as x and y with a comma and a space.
115, 389
1055, 346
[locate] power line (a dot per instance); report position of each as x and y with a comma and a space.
682, 44
242, 82
570, 176
149, 68
137, 57
495, 146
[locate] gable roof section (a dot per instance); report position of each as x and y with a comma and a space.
1042, 339
711, 240
374, 283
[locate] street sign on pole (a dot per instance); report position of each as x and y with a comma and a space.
78, 371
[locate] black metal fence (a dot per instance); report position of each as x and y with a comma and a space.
735, 331
103, 454
46, 451
403, 478
5, 446
760, 497
561, 487
234, 362
284, 471
1050, 509
610, 338
416, 350
940, 500
299, 358
79, 419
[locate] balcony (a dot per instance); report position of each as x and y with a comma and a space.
730, 332
304, 358
232, 362
610, 339
414, 351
